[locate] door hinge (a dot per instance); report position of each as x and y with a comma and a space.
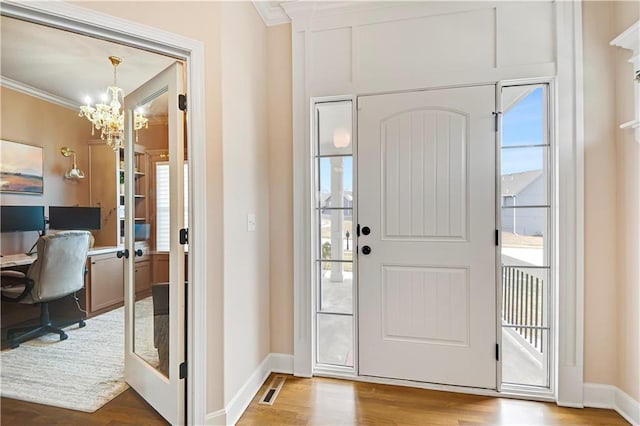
495, 116
497, 237
497, 352
183, 370
184, 236
358, 230
182, 102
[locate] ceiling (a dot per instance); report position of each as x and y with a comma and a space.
69, 67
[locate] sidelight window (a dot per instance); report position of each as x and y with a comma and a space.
526, 207
334, 235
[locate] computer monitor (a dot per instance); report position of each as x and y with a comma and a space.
22, 218
61, 218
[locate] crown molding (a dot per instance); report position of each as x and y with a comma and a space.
38, 93
270, 14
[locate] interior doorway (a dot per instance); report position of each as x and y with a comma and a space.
68, 18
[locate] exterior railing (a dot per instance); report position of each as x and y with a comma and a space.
523, 304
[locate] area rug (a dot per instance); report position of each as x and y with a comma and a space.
81, 373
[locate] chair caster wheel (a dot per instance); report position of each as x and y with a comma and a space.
63, 337
81, 324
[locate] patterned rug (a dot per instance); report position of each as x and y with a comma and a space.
81, 373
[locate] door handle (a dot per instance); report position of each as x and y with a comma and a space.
366, 250
366, 230
138, 252
123, 253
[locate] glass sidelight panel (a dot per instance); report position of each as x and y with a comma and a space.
335, 339
526, 238
334, 236
336, 287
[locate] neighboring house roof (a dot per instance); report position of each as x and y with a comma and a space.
515, 183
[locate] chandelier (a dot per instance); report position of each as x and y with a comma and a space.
108, 118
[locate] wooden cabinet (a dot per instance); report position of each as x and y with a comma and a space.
106, 190
105, 283
142, 273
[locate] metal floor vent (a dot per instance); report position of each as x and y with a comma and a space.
270, 395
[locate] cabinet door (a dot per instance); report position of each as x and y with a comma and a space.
143, 275
106, 281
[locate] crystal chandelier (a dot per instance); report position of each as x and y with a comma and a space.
108, 117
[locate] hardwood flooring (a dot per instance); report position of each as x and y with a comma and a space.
128, 408
321, 401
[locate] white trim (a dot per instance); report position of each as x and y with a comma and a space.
241, 400
613, 398
272, 363
302, 308
271, 15
88, 22
281, 363
569, 119
38, 93
567, 90
541, 396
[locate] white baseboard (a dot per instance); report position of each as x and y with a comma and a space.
610, 397
272, 363
281, 363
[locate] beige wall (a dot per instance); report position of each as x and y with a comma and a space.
55, 127
246, 191
628, 230
600, 196
199, 21
612, 202
279, 99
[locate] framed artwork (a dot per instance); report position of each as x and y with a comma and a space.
21, 168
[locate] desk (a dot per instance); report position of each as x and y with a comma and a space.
104, 288
21, 259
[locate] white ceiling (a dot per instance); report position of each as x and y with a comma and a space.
70, 66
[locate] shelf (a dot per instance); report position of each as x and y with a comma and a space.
138, 196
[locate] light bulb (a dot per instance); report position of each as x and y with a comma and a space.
341, 138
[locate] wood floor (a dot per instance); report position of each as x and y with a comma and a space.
128, 408
321, 401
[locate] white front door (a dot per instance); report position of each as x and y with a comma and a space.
154, 273
426, 210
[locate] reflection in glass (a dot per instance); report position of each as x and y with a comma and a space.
334, 128
335, 339
151, 320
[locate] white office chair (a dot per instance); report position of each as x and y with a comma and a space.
58, 271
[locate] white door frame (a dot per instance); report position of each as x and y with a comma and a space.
83, 21
569, 132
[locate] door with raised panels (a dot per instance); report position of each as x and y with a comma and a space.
426, 202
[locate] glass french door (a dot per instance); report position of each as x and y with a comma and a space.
155, 269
